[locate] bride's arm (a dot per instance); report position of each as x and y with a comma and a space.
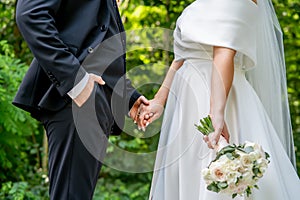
221, 82
154, 110
163, 92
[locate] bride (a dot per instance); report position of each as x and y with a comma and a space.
229, 63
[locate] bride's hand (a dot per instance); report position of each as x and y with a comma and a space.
149, 113
225, 133
220, 129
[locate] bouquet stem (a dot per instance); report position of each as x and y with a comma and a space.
206, 127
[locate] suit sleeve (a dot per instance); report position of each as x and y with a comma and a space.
35, 19
132, 94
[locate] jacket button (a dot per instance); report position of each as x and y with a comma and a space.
103, 28
56, 83
90, 50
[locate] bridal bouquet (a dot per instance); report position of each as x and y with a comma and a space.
236, 168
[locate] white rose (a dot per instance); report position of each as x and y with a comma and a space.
218, 173
256, 147
262, 165
247, 160
255, 155
206, 175
241, 187
232, 177
259, 150
248, 178
249, 144
231, 189
223, 159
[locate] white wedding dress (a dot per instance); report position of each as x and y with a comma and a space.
182, 153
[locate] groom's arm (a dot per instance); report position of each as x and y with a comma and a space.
134, 100
35, 19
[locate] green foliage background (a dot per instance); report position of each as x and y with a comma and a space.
23, 170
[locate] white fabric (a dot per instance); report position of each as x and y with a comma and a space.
182, 154
77, 89
271, 69
215, 22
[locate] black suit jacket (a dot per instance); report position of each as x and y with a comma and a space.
61, 34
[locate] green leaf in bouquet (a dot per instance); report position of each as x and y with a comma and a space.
249, 149
256, 171
236, 155
238, 179
222, 185
267, 156
230, 156
213, 187
234, 195
241, 149
256, 186
248, 191
224, 150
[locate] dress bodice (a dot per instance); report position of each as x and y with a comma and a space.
208, 23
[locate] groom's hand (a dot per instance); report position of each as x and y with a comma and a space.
88, 89
135, 110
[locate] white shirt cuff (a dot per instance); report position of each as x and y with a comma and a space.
77, 89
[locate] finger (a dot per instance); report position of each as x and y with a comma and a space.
142, 115
209, 145
135, 108
213, 143
146, 123
99, 80
132, 114
154, 117
147, 116
205, 138
144, 100
136, 117
212, 139
141, 118
142, 111
225, 133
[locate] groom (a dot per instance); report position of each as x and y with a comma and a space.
72, 67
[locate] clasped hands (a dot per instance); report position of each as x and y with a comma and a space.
144, 112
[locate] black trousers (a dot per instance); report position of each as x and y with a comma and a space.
73, 169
